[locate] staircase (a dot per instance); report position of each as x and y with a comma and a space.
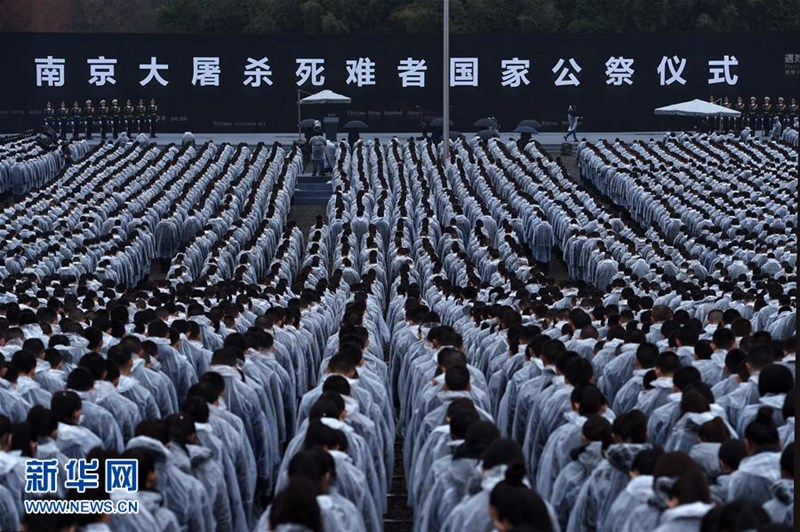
312, 190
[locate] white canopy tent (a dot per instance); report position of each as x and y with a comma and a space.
325, 96
322, 97
696, 107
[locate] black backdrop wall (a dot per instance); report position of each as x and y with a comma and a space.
609, 96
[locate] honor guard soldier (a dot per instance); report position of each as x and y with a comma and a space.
782, 110
88, 118
141, 117
716, 122
740, 106
116, 117
127, 114
726, 121
766, 114
102, 117
63, 119
49, 115
793, 111
754, 111
75, 119
152, 116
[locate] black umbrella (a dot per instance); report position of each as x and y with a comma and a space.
439, 122
535, 124
486, 134
526, 130
486, 123
455, 134
355, 124
308, 123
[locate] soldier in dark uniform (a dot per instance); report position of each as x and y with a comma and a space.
766, 114
712, 124
754, 111
127, 113
782, 111
116, 117
75, 118
726, 121
88, 118
63, 119
742, 108
141, 117
152, 116
102, 117
49, 115
793, 111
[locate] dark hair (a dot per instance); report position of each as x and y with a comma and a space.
674, 465
319, 434
761, 432
22, 438
80, 380
23, 361
324, 408
735, 516
146, 464
703, 350
503, 451
691, 486
686, 375
336, 383
197, 408
596, 428
589, 398
645, 461
578, 372
63, 406
734, 360
42, 421
514, 502
479, 436
449, 357
775, 379
456, 378
693, 401
760, 356
631, 427
297, 504
668, 362
714, 431
723, 338
647, 355
460, 422
95, 363
731, 453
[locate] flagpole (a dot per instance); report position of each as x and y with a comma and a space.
446, 82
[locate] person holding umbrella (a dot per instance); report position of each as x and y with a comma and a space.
572, 122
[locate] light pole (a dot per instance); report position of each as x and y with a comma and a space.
446, 82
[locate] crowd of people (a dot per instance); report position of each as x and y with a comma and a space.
262, 384
27, 163
109, 120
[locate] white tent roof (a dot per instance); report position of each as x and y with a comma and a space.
326, 96
696, 107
